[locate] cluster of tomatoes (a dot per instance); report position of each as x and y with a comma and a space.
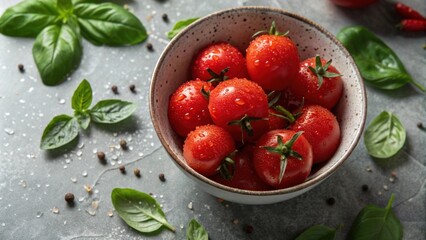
257, 122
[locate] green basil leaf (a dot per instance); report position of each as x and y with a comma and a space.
385, 136
28, 18
179, 26
374, 223
82, 97
83, 119
139, 210
61, 130
378, 63
110, 24
196, 231
57, 51
318, 232
65, 8
111, 111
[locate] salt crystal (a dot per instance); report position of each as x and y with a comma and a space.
61, 101
55, 210
110, 213
73, 179
84, 173
392, 179
9, 131
79, 153
190, 205
385, 187
39, 214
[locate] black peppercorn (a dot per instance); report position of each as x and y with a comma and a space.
420, 125
132, 88
21, 68
248, 228
162, 177
137, 172
69, 198
150, 47
123, 144
114, 89
101, 156
364, 187
122, 169
331, 201
165, 17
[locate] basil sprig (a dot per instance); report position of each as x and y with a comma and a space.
59, 25
63, 129
179, 26
318, 232
139, 210
379, 65
374, 223
385, 136
196, 231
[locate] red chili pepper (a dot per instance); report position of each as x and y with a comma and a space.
412, 25
408, 12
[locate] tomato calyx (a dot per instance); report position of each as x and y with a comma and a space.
272, 31
245, 124
206, 94
227, 167
285, 151
217, 78
284, 114
321, 71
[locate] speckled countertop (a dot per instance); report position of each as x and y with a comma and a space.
33, 182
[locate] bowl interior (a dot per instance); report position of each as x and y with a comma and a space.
236, 26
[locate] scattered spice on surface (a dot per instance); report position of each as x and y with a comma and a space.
55, 210
248, 228
132, 88
88, 188
420, 125
137, 172
150, 47
368, 169
110, 213
162, 177
123, 144
122, 169
69, 198
331, 201
165, 17
190, 206
393, 174
235, 221
114, 89
101, 156
21, 68
364, 187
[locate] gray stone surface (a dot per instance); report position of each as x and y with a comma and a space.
33, 182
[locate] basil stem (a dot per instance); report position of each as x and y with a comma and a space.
139, 210
379, 65
385, 136
61, 130
179, 26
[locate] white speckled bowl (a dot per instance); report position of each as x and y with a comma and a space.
236, 26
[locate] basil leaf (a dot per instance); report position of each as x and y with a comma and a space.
28, 18
111, 111
61, 130
65, 7
83, 119
196, 231
318, 232
179, 26
82, 97
110, 24
139, 210
385, 136
57, 51
378, 64
374, 223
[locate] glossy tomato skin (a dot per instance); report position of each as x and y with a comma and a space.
206, 147
267, 164
272, 61
218, 56
321, 129
188, 108
306, 85
244, 175
353, 3
233, 99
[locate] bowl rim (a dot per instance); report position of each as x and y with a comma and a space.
310, 181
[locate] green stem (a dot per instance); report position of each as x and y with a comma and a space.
418, 85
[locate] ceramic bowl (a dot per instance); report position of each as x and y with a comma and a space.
236, 26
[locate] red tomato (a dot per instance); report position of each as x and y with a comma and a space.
353, 3
217, 57
321, 129
206, 147
272, 61
274, 149
322, 87
241, 107
188, 107
244, 175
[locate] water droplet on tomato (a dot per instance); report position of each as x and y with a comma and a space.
186, 116
239, 101
267, 64
256, 63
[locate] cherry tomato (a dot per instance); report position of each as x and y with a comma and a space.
217, 57
241, 107
206, 147
283, 158
318, 83
272, 61
353, 3
188, 107
321, 129
244, 176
